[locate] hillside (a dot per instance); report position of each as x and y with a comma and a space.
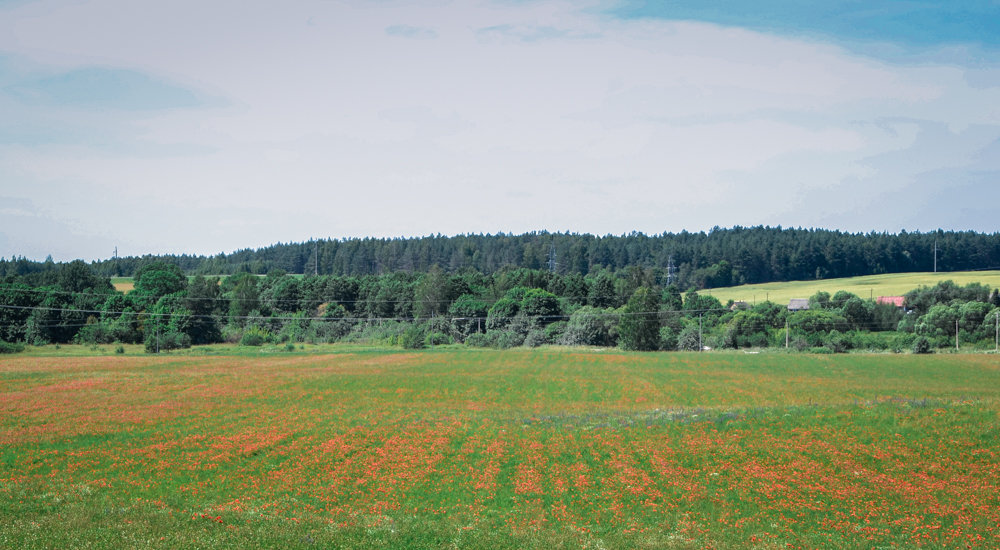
871, 286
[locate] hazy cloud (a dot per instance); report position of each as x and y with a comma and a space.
104, 88
407, 31
516, 116
532, 33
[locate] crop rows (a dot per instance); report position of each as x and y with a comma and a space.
500, 449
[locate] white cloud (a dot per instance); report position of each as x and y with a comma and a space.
509, 116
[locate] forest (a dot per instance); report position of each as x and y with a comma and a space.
718, 258
633, 308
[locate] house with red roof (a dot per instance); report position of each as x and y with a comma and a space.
898, 301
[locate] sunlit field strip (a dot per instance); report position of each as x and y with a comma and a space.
478, 448
868, 286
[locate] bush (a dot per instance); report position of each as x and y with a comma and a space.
590, 326
8, 347
95, 333
688, 339
254, 336
799, 343
554, 331
413, 337
437, 339
921, 345
120, 349
389, 333
294, 329
535, 338
231, 333
167, 341
668, 338
836, 342
480, 340
508, 339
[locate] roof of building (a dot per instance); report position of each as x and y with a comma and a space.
796, 304
898, 301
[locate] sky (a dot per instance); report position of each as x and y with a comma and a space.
205, 127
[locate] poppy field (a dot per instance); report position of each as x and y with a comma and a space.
465, 448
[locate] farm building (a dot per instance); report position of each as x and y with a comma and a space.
798, 304
898, 301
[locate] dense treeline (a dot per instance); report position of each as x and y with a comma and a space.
721, 257
630, 308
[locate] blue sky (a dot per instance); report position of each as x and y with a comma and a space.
195, 127
908, 24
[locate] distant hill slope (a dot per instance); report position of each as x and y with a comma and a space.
895, 284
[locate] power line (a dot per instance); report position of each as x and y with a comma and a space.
355, 318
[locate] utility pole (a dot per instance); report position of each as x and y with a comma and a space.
956, 334
786, 333
935, 255
701, 347
996, 349
316, 262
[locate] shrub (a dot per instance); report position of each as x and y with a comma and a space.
554, 331
413, 337
480, 340
120, 349
590, 326
921, 345
798, 343
688, 339
508, 339
388, 333
535, 338
231, 333
668, 338
294, 329
8, 347
836, 342
95, 333
254, 336
167, 341
437, 339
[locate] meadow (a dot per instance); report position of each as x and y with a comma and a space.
867, 287
525, 448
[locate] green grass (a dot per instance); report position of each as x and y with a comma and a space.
552, 448
871, 286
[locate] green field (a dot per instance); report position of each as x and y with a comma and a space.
871, 286
127, 284
548, 448
123, 284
